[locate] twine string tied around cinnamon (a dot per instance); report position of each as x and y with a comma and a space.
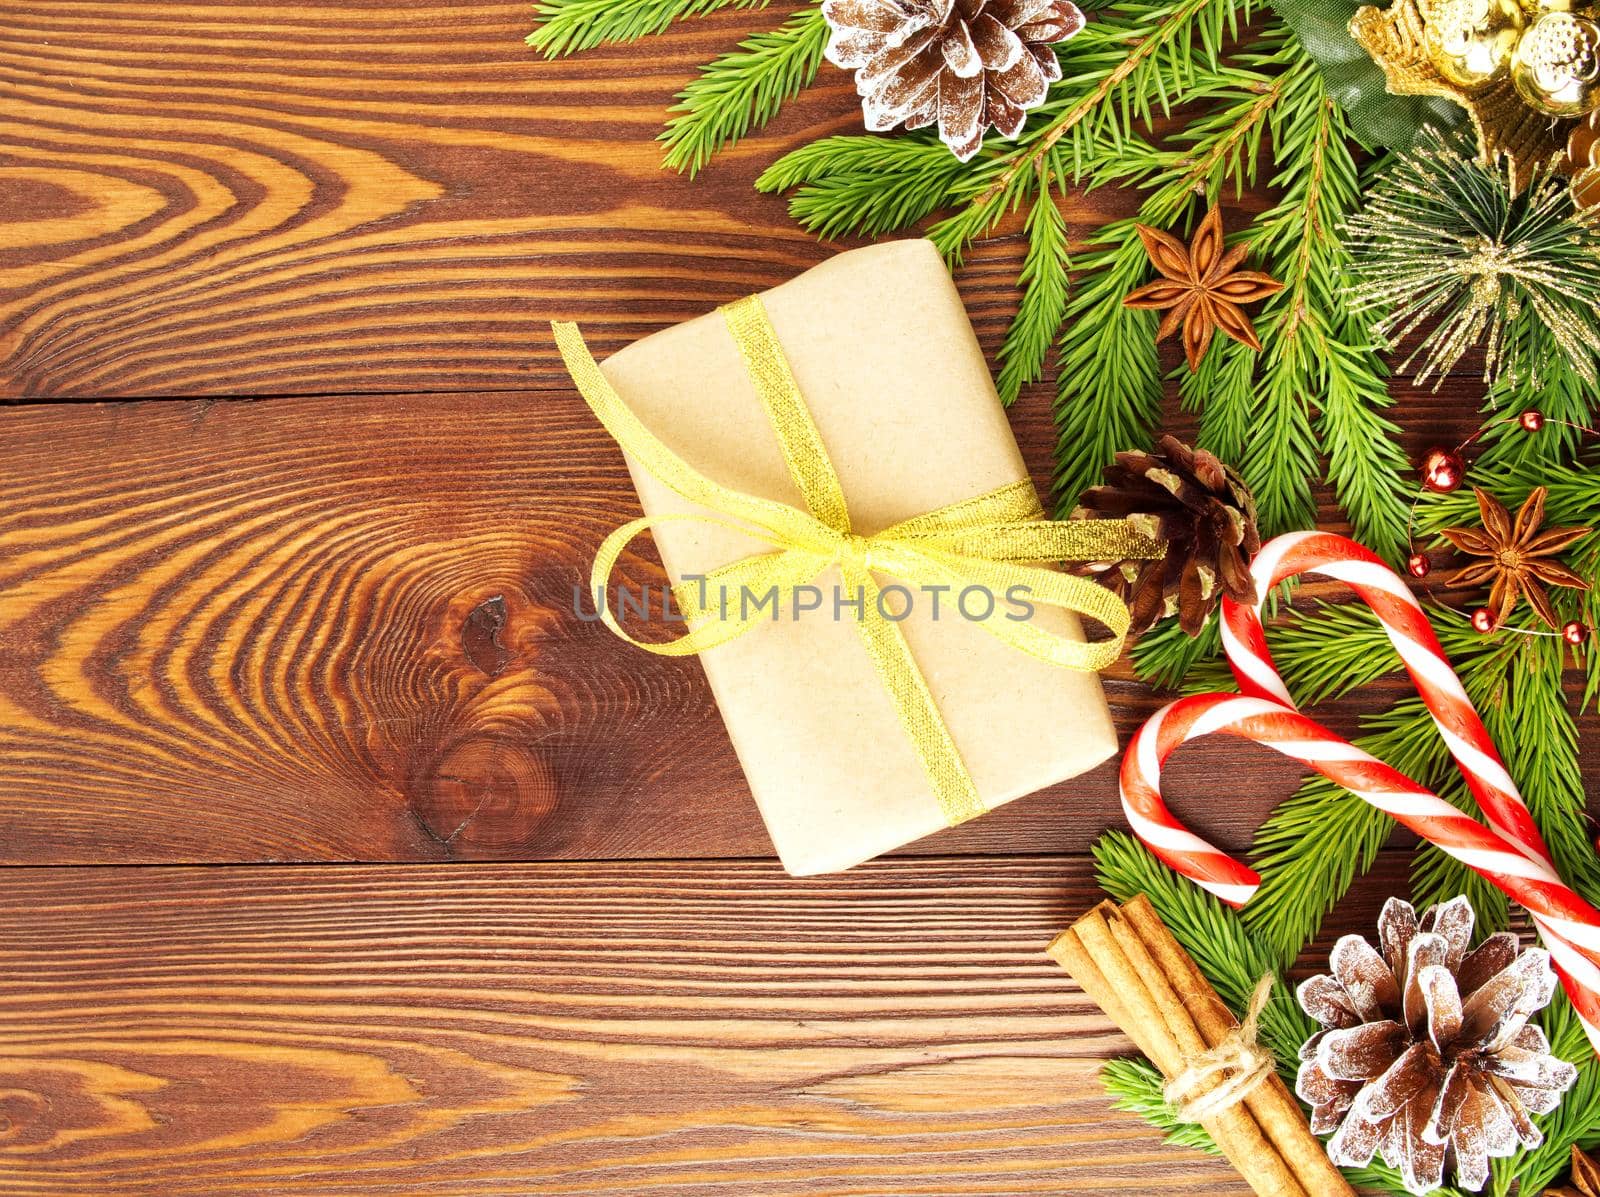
1238, 1059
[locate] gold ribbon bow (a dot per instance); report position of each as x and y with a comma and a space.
993, 541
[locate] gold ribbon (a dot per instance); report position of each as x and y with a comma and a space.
994, 541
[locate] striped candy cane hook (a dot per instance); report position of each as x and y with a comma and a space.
1509, 851
1244, 640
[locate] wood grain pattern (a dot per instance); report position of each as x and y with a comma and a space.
619, 1030
365, 196
380, 195
338, 627
309, 631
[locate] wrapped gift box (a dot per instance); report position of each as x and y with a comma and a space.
888, 365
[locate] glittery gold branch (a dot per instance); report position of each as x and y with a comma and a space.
1424, 265
1395, 38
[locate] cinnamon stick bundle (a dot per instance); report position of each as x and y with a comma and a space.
1130, 965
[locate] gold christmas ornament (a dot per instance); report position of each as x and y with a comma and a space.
1556, 66
1583, 161
1398, 39
1471, 42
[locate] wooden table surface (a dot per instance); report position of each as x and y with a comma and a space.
340, 857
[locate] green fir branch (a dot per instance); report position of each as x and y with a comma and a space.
1223, 394
863, 185
1525, 711
1313, 846
1109, 392
570, 26
1169, 658
1558, 391
1516, 681
744, 89
1329, 650
1255, 411
1137, 1086
1043, 304
1316, 350
1309, 852
1108, 376
1115, 70
1133, 63
1165, 655
1233, 959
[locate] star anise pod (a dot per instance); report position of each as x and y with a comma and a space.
1517, 556
1201, 287
1585, 1178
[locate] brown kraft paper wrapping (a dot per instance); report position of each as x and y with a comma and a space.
889, 367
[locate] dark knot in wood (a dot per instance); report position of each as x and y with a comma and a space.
480, 636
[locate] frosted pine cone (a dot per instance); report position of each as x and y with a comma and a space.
965, 64
1426, 1051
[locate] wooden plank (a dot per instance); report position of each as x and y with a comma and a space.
620, 1030
312, 629
377, 196
362, 196
303, 630
261, 632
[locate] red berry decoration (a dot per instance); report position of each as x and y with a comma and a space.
1532, 420
1482, 621
1574, 633
1419, 565
1442, 470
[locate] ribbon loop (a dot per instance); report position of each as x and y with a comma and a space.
996, 541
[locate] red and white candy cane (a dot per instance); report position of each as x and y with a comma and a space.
1509, 852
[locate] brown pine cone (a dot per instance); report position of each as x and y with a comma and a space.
1426, 1048
1585, 1177
966, 64
1203, 511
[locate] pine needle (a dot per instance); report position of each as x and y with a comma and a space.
1165, 655
743, 89
1449, 246
1567, 401
1229, 956
1108, 388
1316, 351
863, 185
1316, 842
1044, 298
1137, 1087
570, 26
1233, 959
